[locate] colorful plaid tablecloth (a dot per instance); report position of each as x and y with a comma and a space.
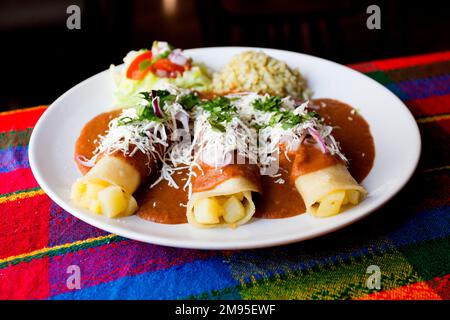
408, 239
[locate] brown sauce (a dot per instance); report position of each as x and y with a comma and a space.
85, 144
164, 204
309, 159
212, 176
353, 134
279, 200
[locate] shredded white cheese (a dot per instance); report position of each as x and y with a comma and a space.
270, 137
182, 139
148, 137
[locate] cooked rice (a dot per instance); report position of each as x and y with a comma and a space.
256, 71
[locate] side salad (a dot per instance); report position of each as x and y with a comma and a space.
155, 68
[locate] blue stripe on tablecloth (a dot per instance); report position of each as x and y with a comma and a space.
421, 88
173, 283
426, 225
13, 158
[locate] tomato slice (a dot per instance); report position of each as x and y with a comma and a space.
167, 67
140, 66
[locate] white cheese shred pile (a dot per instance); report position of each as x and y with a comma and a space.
182, 139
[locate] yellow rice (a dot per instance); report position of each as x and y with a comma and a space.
256, 71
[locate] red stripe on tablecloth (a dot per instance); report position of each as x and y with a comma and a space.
21, 110
416, 291
24, 225
441, 285
21, 119
402, 62
29, 280
20, 179
429, 106
363, 66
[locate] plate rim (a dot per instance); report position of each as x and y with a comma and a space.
197, 243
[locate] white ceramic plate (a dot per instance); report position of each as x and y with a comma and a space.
397, 144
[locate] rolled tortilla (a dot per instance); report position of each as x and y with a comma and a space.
324, 182
108, 187
222, 197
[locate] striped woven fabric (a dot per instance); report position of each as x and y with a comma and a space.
408, 239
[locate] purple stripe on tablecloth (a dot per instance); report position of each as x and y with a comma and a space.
66, 228
13, 158
423, 88
117, 260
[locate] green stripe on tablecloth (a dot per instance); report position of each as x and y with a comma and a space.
337, 281
232, 293
379, 76
430, 259
62, 249
15, 138
4, 195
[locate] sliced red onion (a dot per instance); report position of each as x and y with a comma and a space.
162, 73
315, 134
85, 161
177, 57
298, 101
155, 104
309, 141
313, 106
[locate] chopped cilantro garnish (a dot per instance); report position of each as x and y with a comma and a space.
163, 96
221, 111
188, 101
275, 118
124, 121
290, 119
287, 118
145, 112
216, 125
270, 104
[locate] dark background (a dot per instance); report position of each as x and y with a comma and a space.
41, 58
